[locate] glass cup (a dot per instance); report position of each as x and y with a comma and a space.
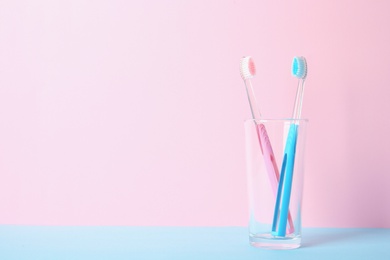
275, 167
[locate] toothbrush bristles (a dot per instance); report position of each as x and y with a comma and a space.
247, 68
299, 67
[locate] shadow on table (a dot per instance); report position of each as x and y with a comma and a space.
329, 236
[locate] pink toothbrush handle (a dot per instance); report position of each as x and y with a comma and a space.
271, 166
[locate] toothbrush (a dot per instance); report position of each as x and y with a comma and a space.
299, 70
248, 71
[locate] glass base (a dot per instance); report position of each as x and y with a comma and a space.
268, 241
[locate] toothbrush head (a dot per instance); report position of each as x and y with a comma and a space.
247, 68
299, 67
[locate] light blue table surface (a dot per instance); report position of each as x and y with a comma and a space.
61, 242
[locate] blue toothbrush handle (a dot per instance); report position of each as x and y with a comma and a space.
285, 184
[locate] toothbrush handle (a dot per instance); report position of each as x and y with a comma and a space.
252, 100
284, 189
299, 99
269, 158
271, 166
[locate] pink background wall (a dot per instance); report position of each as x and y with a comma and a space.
117, 113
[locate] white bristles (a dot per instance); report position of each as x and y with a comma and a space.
299, 67
247, 68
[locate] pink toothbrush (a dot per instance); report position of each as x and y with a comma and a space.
248, 71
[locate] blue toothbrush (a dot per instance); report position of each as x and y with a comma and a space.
279, 223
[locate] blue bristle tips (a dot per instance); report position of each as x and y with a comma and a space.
299, 67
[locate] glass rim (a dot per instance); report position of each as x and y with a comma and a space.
278, 120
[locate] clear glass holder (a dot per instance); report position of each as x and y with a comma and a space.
275, 170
